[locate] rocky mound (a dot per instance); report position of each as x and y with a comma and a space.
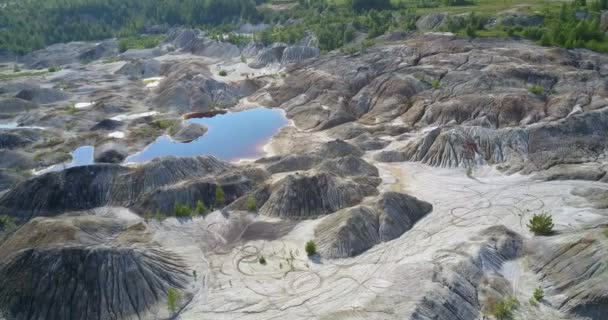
349, 166
67, 268
107, 125
461, 283
493, 101
42, 95
574, 270
110, 152
15, 105
587, 171
311, 195
138, 69
352, 231
188, 86
282, 54
87, 187
13, 140
188, 131
598, 197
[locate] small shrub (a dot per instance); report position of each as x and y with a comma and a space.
536, 89
223, 73
220, 197
243, 59
200, 208
182, 211
436, 84
16, 68
173, 297
7, 222
54, 69
262, 260
252, 204
606, 232
310, 248
539, 294
159, 216
504, 309
541, 224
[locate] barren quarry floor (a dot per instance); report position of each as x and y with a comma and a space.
292, 285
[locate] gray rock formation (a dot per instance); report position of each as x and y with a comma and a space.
138, 69
188, 86
587, 171
458, 283
574, 270
66, 268
479, 94
88, 187
110, 152
189, 131
352, 231
307, 196
42, 95
107, 125
431, 21
15, 105
283, 54
598, 197
193, 41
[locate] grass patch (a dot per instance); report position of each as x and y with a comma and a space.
139, 42
605, 232
21, 74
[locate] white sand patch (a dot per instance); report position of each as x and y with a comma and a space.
152, 82
134, 116
82, 105
237, 71
117, 135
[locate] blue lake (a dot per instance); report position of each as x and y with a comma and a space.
230, 136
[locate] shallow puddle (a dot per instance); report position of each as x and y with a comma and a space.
231, 136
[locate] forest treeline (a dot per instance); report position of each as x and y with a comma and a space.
26, 25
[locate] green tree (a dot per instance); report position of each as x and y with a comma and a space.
539, 294
200, 209
252, 204
220, 197
541, 224
181, 211
173, 298
364, 5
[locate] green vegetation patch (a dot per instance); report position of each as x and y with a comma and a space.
139, 42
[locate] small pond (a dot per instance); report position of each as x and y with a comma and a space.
80, 157
231, 136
